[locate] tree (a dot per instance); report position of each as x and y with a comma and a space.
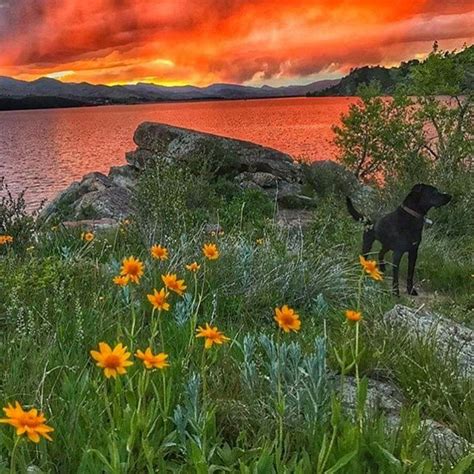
442, 87
427, 126
379, 136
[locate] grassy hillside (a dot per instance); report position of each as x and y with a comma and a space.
264, 400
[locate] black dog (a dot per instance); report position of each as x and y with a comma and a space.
401, 230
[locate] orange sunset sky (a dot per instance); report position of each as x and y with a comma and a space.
175, 42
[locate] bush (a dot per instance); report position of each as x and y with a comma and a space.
328, 178
170, 201
15, 221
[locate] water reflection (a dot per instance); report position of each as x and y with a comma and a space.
45, 150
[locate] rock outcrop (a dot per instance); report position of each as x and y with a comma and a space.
442, 443
99, 196
449, 339
96, 196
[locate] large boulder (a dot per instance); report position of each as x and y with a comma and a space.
224, 155
113, 202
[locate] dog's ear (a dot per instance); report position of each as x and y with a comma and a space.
417, 189
414, 195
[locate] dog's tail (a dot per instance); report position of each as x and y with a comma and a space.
354, 212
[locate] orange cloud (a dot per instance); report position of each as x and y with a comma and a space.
204, 41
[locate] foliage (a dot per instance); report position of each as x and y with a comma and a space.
379, 136
195, 199
14, 218
390, 79
449, 121
213, 410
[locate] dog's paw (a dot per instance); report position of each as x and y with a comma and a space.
413, 292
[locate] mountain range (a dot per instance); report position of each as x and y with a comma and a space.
47, 92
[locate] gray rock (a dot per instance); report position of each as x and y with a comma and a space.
443, 443
291, 196
139, 158
328, 177
112, 202
93, 224
98, 196
62, 205
62, 201
261, 179
223, 155
449, 338
95, 182
440, 442
124, 176
95, 197
381, 397
250, 185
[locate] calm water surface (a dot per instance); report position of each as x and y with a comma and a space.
43, 151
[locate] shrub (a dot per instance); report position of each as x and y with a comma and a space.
14, 218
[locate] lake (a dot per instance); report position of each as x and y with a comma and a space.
43, 151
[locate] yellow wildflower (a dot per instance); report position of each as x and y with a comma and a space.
6, 239
87, 236
212, 335
158, 300
121, 280
159, 253
31, 423
132, 268
287, 319
158, 361
352, 315
370, 267
172, 283
210, 251
193, 267
113, 361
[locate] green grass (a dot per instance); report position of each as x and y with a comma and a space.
261, 403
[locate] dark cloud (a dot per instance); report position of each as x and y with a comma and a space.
231, 40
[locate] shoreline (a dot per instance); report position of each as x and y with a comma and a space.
190, 101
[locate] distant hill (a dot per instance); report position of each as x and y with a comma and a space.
388, 78
47, 92
7, 103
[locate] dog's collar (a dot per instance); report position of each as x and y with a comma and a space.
412, 212
416, 214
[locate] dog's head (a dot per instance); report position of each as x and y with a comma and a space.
423, 197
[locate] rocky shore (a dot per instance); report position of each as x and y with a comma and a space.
105, 199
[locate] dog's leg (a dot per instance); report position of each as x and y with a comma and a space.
367, 241
382, 253
397, 256
412, 255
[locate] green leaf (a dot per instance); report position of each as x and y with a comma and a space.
387, 455
346, 459
464, 464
